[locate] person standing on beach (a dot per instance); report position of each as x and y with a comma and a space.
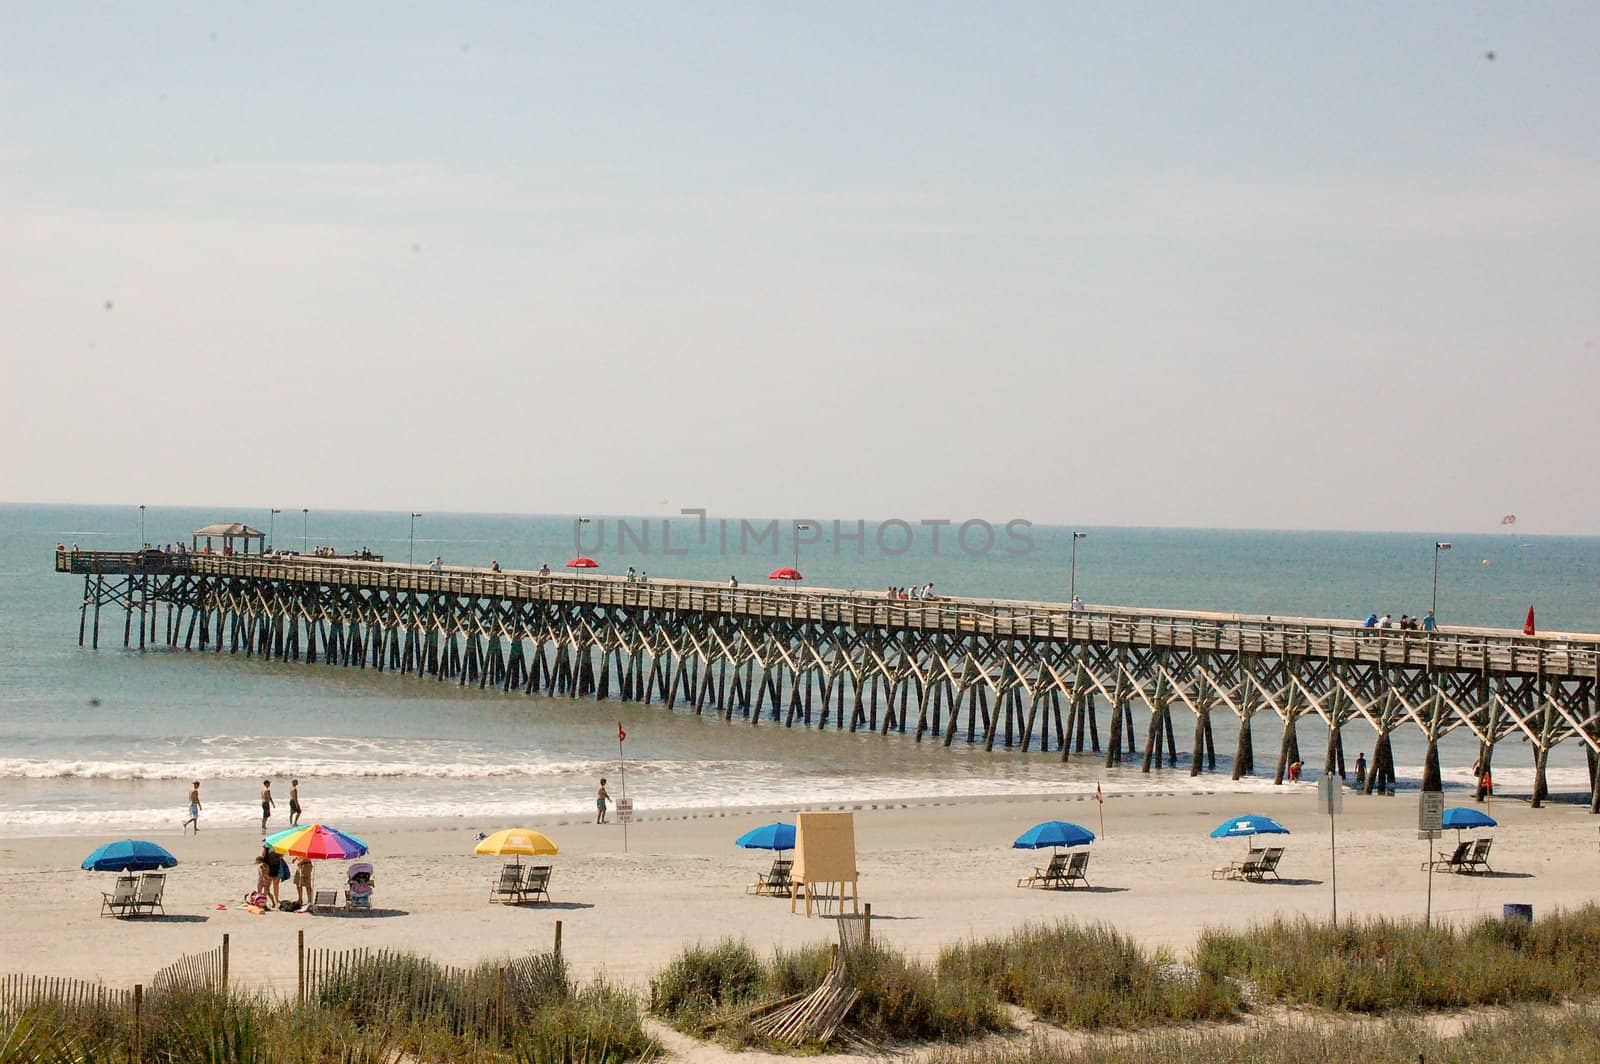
1361, 769
600, 798
274, 863
194, 808
294, 803
266, 804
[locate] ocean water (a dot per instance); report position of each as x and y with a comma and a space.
108, 740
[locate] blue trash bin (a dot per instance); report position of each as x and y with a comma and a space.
1518, 912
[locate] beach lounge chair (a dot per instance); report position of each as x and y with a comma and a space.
324, 901
1479, 861
1050, 875
535, 882
1077, 870
1269, 864
775, 880
151, 886
509, 885
121, 898
1453, 861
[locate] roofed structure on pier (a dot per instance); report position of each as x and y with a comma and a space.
228, 531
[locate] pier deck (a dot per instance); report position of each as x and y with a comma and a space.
1002, 668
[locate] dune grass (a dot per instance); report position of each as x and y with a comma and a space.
1527, 1035
1091, 977
901, 1000
382, 1011
1382, 965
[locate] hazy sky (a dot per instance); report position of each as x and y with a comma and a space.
1225, 264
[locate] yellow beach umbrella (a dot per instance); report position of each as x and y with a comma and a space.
516, 842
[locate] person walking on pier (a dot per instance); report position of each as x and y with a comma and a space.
600, 798
194, 808
294, 803
1428, 623
266, 804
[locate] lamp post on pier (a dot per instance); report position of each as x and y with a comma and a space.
272, 524
141, 526
799, 527
1438, 548
305, 530
1072, 586
411, 555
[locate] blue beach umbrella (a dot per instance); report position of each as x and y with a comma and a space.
1464, 817
775, 836
129, 855
1245, 826
1053, 833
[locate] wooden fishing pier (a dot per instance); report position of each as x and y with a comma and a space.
1030, 676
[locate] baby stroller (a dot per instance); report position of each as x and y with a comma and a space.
358, 887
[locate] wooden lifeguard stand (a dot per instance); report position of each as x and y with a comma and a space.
824, 856
229, 532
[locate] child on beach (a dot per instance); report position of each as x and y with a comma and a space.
600, 799
194, 808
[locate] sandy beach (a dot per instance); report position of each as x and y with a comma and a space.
935, 873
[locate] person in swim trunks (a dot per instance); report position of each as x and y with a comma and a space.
266, 804
600, 799
194, 808
294, 803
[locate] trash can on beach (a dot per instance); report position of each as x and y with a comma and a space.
1518, 912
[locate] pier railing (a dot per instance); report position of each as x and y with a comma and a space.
1491, 650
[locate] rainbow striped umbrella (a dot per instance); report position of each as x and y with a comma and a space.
318, 842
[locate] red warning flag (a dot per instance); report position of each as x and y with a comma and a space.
1527, 625
1098, 796
621, 735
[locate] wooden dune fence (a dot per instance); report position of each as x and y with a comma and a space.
381, 981
207, 970
18, 993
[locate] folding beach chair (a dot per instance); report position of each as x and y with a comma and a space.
324, 901
1269, 864
151, 886
1077, 870
1249, 868
1050, 876
509, 885
1480, 856
774, 881
536, 882
1453, 861
121, 898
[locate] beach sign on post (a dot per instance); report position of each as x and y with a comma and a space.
1430, 824
824, 853
625, 810
1330, 798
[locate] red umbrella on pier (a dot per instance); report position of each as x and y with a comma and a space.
583, 563
1527, 625
785, 573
